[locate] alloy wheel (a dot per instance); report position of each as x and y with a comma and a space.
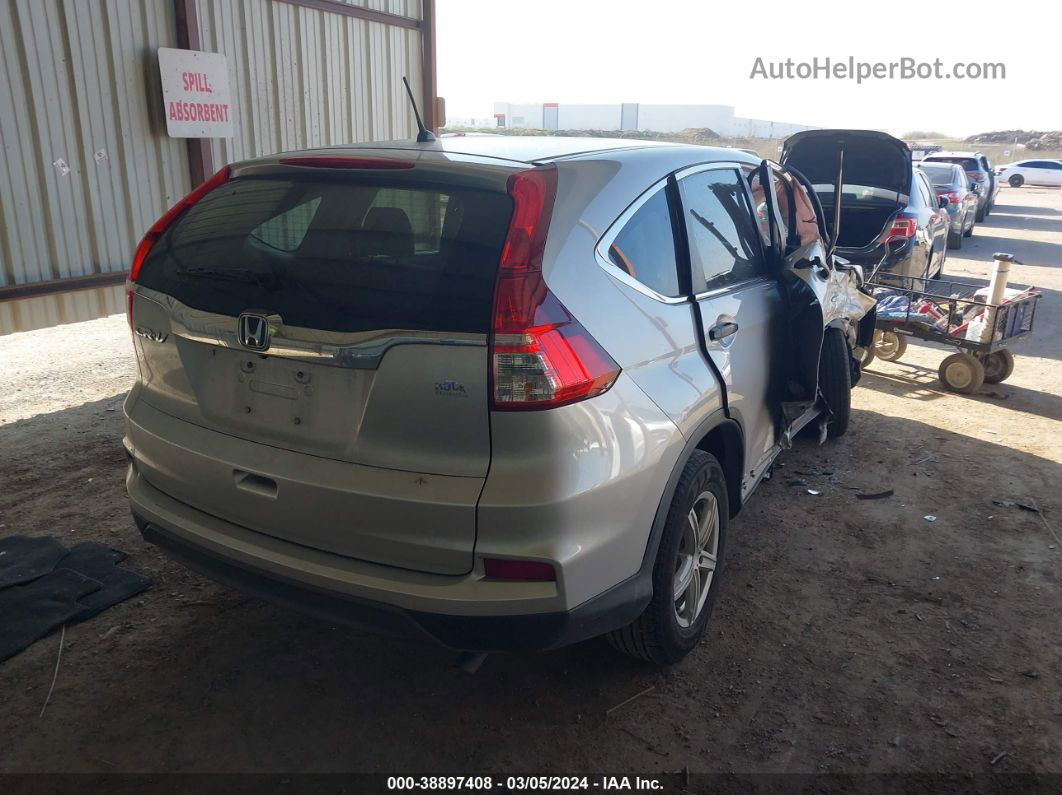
696, 561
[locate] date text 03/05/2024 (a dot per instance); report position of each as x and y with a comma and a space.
524, 783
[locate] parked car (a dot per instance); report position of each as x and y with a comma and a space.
950, 183
889, 213
981, 175
505, 392
1031, 172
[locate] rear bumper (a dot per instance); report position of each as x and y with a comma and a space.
900, 262
509, 616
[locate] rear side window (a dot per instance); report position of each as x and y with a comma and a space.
721, 230
337, 253
924, 191
645, 247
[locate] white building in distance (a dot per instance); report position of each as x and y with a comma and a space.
634, 116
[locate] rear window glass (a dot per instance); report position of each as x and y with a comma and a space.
967, 163
939, 175
326, 252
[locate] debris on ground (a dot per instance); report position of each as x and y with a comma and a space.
877, 495
625, 702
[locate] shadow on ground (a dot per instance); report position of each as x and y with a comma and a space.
850, 635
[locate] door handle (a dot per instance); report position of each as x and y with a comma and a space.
721, 330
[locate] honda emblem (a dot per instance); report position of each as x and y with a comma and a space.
253, 330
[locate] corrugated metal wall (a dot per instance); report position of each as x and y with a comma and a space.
79, 83
301, 77
76, 77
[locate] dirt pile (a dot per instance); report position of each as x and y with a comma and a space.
1030, 139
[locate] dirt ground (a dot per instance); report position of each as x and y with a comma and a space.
850, 636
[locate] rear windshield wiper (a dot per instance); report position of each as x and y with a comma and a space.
227, 274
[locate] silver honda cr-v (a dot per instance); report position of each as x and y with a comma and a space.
506, 392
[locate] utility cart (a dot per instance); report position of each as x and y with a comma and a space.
981, 322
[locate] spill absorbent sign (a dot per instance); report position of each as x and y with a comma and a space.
195, 93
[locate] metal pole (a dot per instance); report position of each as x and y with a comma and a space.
996, 290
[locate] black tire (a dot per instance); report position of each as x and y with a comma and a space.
656, 636
835, 381
962, 373
1016, 180
979, 216
999, 365
955, 241
969, 232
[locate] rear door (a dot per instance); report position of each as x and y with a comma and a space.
739, 303
1046, 172
331, 314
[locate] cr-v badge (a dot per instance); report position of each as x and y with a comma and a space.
150, 334
252, 331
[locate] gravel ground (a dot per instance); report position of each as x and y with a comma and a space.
850, 636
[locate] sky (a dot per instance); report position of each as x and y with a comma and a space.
684, 52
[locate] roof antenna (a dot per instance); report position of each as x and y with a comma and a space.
425, 135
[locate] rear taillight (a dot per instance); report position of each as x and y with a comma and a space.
541, 357
161, 225
951, 195
901, 229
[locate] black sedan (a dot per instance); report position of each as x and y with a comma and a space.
950, 182
889, 213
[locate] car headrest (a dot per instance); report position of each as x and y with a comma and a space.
386, 231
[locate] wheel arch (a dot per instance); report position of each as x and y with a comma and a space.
722, 437
726, 442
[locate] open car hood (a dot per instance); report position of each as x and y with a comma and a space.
874, 159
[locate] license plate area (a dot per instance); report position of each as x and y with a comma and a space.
283, 402
273, 393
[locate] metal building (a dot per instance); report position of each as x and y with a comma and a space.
87, 163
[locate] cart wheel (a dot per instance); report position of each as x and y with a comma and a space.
889, 346
998, 366
962, 373
867, 357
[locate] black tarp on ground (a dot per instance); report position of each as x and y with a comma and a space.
44, 585
24, 559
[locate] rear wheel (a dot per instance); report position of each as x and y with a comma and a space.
835, 381
687, 568
962, 373
1016, 180
955, 239
999, 365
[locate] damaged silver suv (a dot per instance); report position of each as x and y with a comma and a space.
505, 392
